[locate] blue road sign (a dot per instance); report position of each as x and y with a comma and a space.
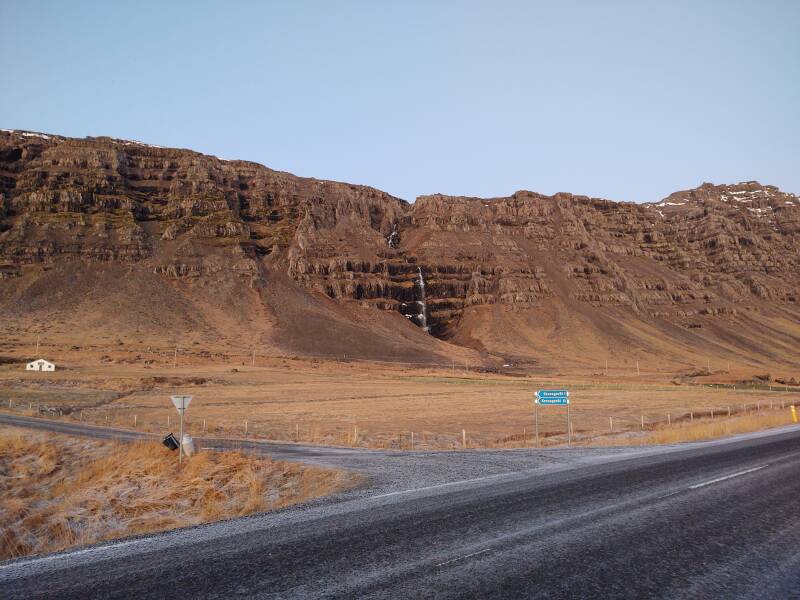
552, 397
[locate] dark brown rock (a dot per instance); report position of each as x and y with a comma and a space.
705, 253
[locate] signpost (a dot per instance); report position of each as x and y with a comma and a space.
552, 398
181, 404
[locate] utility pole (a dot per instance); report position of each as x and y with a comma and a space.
254, 356
175, 358
37, 345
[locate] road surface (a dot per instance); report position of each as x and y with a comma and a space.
386, 471
716, 520
278, 450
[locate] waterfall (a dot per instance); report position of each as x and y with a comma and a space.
394, 237
422, 316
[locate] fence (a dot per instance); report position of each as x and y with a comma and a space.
586, 425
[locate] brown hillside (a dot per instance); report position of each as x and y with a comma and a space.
113, 239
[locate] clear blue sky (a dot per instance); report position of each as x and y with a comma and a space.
624, 100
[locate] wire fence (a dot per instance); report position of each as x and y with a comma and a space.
585, 425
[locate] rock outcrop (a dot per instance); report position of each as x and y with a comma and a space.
698, 255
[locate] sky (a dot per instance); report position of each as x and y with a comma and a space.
627, 100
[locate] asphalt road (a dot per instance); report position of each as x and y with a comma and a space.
717, 520
385, 471
278, 450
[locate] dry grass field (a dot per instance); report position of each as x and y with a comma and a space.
693, 432
374, 404
57, 491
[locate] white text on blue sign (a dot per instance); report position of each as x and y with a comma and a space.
552, 401
552, 394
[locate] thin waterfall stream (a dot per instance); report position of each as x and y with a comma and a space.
422, 317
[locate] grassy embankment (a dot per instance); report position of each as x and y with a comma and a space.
707, 430
57, 491
696, 431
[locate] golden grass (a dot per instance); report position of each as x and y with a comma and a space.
384, 408
698, 431
328, 402
57, 492
708, 430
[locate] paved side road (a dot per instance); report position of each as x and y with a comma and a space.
278, 450
384, 471
714, 520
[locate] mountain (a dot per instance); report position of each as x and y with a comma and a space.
108, 239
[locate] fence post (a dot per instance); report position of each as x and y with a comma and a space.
464, 438
669, 420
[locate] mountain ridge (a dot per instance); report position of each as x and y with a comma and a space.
707, 271
44, 135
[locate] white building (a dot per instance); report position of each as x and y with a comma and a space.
40, 365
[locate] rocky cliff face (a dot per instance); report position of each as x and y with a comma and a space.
106, 199
704, 251
707, 252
